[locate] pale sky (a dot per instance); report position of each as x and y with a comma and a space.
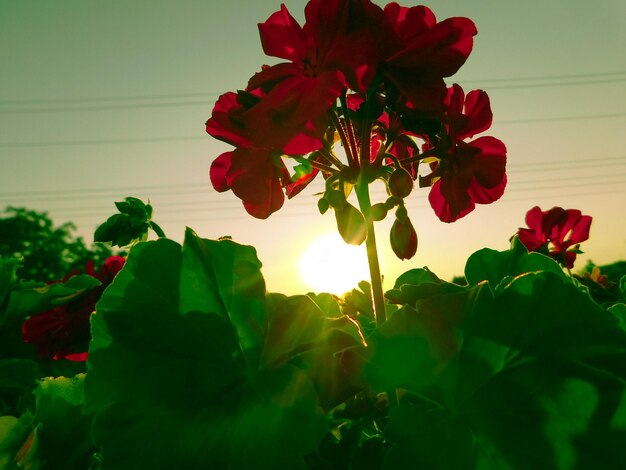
102, 100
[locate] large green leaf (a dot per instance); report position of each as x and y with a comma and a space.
500, 267
170, 377
221, 276
300, 333
57, 435
538, 382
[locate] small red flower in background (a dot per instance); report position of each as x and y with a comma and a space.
561, 228
63, 332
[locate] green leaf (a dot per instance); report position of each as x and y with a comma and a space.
500, 267
351, 224
8, 278
299, 333
223, 277
538, 382
16, 438
129, 226
411, 349
57, 435
418, 284
29, 298
63, 430
168, 382
135, 207
17, 380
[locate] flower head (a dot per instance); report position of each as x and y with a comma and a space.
63, 332
468, 173
554, 232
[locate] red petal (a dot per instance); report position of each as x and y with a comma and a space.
297, 186
478, 110
451, 206
282, 36
225, 122
218, 171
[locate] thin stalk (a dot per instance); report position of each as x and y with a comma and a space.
365, 204
417, 158
349, 126
331, 157
158, 230
347, 145
321, 166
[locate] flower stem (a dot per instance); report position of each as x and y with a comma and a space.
322, 167
363, 196
158, 230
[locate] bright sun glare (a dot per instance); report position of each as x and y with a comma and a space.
331, 265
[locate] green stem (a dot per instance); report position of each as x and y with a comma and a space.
321, 166
158, 230
365, 204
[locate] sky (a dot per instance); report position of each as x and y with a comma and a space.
103, 100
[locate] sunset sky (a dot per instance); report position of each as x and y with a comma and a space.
103, 100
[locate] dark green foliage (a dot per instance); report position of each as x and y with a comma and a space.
129, 226
194, 365
48, 252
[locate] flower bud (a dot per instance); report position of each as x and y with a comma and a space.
351, 224
378, 211
403, 239
400, 183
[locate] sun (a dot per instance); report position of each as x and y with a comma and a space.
331, 265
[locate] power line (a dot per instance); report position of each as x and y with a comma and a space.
70, 143
178, 104
106, 99
553, 84
518, 82
576, 81
550, 77
180, 189
557, 162
561, 118
212, 215
232, 202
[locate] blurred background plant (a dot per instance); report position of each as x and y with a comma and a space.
48, 252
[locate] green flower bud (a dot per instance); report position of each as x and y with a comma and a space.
379, 211
400, 183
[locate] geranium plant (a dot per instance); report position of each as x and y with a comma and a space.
371, 79
193, 364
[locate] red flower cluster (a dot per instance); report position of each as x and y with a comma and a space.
554, 232
63, 332
372, 78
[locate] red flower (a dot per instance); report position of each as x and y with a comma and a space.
256, 176
562, 228
332, 49
419, 52
63, 332
254, 171
472, 172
